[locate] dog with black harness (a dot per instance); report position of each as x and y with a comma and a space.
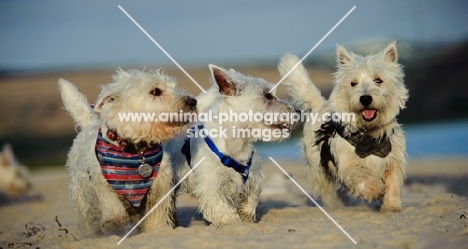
361, 157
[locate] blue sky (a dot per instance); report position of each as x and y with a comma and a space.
53, 34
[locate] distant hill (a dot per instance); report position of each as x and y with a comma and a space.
437, 81
41, 131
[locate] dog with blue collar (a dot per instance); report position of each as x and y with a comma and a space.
229, 181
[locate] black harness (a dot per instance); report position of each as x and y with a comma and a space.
364, 144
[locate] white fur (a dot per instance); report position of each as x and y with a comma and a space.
307, 95
370, 178
222, 196
14, 177
98, 208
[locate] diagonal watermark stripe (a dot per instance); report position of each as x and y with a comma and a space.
313, 48
159, 202
162, 49
312, 199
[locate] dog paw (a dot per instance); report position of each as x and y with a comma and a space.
224, 220
247, 217
111, 226
388, 208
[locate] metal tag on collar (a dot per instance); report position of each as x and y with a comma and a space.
145, 170
245, 176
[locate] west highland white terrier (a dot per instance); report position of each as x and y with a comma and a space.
229, 181
361, 158
14, 177
118, 170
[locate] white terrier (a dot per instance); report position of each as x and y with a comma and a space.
117, 169
361, 158
14, 177
229, 181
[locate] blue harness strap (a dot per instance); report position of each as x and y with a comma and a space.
225, 159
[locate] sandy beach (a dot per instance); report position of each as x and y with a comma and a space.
434, 212
433, 216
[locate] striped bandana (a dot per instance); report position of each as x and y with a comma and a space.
120, 169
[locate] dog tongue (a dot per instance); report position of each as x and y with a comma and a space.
368, 114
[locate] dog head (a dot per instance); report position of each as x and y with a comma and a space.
14, 177
139, 104
250, 97
370, 86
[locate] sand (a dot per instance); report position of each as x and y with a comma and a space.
435, 204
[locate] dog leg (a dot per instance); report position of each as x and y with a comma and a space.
164, 214
114, 216
86, 211
246, 209
249, 200
329, 195
248, 204
391, 201
252, 189
83, 195
219, 201
217, 211
322, 187
360, 183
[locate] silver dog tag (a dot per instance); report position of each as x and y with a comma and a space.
145, 170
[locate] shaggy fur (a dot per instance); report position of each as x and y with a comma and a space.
372, 88
222, 196
14, 177
98, 208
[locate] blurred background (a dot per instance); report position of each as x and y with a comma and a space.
85, 41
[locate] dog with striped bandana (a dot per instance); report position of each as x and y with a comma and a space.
119, 169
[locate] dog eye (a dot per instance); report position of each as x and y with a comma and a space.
378, 81
156, 92
269, 96
353, 84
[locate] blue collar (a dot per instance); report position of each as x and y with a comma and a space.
229, 161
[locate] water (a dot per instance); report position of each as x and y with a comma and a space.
447, 139
426, 140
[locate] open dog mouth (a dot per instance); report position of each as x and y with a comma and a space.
177, 123
281, 126
369, 114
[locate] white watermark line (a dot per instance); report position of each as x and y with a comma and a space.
312, 199
162, 49
161, 200
313, 48
267, 118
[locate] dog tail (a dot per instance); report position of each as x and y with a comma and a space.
76, 104
305, 94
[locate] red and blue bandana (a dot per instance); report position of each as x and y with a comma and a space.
120, 169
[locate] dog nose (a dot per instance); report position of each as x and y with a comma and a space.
191, 102
365, 100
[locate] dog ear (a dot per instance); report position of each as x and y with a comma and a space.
342, 55
221, 78
390, 53
104, 98
6, 155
